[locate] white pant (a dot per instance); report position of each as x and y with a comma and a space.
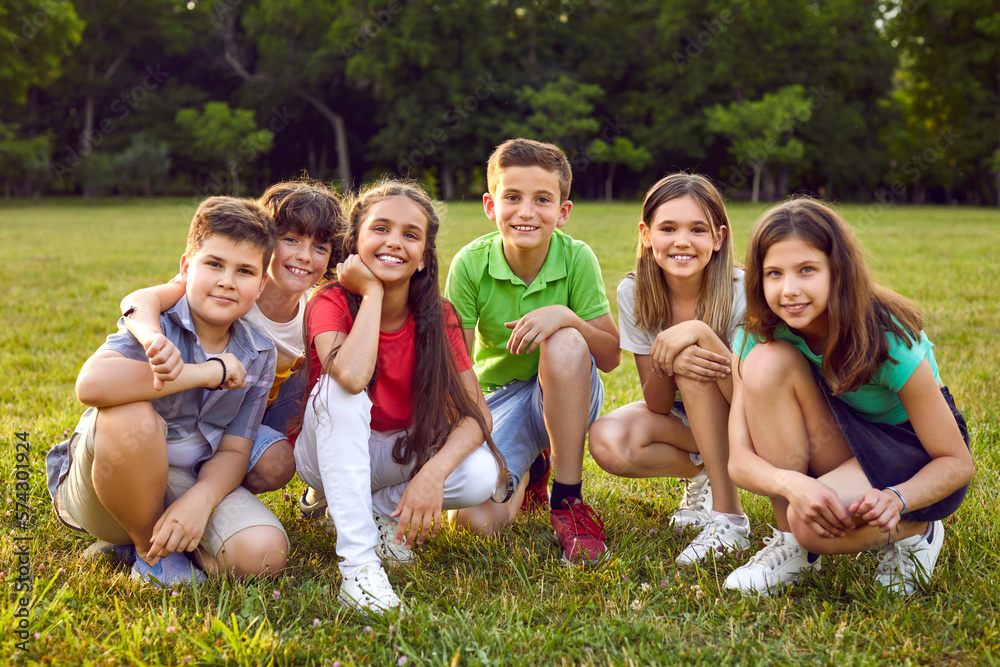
338, 453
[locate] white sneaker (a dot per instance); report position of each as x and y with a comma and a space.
387, 549
696, 504
780, 562
718, 534
368, 590
907, 563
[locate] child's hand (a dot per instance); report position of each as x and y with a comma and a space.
877, 508
820, 507
236, 373
420, 509
697, 363
529, 331
165, 360
670, 342
355, 276
181, 526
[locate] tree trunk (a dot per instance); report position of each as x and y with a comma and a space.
755, 192
767, 181
339, 133
609, 181
447, 182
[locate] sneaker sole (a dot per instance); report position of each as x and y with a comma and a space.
314, 511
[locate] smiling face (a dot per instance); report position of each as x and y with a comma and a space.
392, 239
796, 279
298, 262
680, 238
222, 280
526, 208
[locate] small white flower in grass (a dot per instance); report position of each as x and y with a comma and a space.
171, 630
368, 628
588, 649
38, 635
645, 587
636, 605
174, 594
315, 622
276, 594
402, 660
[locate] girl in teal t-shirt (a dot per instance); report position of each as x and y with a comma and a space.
839, 414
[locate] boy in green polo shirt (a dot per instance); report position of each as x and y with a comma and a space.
537, 321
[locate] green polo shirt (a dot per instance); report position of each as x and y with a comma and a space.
487, 294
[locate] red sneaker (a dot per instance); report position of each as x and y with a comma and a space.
580, 531
536, 495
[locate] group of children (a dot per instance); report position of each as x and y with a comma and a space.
796, 377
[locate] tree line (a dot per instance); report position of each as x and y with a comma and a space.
868, 100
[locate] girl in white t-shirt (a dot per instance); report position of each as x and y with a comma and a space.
307, 220
677, 313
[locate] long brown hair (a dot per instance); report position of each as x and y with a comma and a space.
440, 400
715, 299
860, 312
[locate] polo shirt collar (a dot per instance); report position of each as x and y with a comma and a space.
554, 267
242, 334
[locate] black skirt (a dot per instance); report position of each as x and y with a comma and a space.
891, 454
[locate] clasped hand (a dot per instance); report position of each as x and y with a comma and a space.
529, 331
419, 509
676, 351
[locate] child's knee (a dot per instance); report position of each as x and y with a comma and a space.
129, 428
566, 349
255, 551
273, 471
606, 438
770, 365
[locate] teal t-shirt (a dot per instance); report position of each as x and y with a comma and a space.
487, 294
877, 401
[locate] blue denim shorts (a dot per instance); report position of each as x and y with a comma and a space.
519, 423
274, 426
890, 454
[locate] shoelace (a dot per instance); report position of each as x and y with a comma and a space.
583, 520
893, 560
707, 536
374, 582
775, 552
694, 494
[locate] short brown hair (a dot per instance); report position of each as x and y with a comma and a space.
240, 220
308, 208
529, 153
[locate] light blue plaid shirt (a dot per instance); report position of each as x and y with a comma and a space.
213, 413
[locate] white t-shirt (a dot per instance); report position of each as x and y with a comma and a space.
640, 341
288, 337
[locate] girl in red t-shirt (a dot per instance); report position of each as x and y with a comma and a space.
391, 437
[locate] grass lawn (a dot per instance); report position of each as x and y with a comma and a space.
507, 600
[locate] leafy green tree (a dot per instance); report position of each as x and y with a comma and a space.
762, 131
24, 161
619, 151
221, 134
143, 167
952, 49
37, 36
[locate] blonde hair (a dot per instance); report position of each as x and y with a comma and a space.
715, 299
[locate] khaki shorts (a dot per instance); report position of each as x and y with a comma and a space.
78, 506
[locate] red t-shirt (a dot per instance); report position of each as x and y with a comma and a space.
392, 405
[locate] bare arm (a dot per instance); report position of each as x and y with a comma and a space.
357, 351
600, 333
657, 390
109, 378
144, 323
182, 525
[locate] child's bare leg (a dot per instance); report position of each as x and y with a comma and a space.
564, 375
489, 517
790, 421
273, 470
708, 413
130, 468
850, 483
634, 441
252, 551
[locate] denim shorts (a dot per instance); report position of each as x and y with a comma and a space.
274, 426
890, 454
519, 423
